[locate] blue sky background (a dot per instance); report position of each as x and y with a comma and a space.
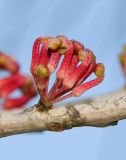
99, 25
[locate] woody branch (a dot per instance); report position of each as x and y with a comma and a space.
99, 112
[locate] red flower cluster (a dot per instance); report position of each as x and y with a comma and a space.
14, 81
75, 62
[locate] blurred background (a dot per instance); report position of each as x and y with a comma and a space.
101, 26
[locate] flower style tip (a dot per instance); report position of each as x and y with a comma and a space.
76, 64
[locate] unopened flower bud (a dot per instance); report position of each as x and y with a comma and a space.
99, 70
54, 43
41, 71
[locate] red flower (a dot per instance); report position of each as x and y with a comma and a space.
22, 83
75, 63
15, 81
